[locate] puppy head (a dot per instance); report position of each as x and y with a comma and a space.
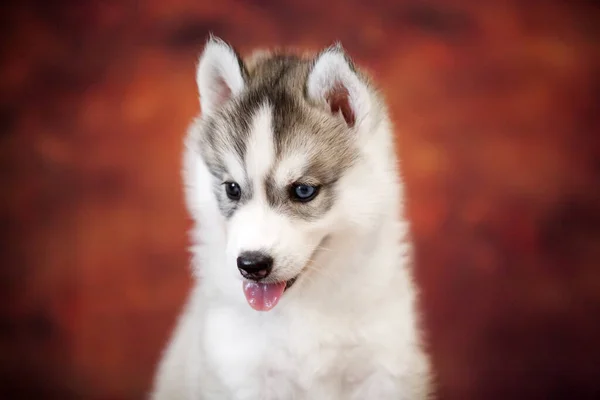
277, 144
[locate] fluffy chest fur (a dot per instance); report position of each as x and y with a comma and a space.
306, 355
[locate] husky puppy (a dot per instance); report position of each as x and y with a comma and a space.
300, 251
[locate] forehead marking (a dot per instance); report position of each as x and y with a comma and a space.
260, 151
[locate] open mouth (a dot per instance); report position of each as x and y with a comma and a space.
263, 296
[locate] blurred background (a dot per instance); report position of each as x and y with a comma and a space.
497, 109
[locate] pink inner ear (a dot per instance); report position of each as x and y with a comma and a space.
221, 91
339, 101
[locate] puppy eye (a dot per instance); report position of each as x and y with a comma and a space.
233, 190
303, 193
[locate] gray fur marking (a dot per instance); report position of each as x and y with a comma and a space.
299, 127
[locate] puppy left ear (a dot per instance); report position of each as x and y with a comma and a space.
221, 75
334, 83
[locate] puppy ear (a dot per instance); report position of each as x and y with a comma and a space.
334, 83
220, 76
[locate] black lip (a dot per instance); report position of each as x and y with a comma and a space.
289, 283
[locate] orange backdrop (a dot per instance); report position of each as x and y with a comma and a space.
497, 111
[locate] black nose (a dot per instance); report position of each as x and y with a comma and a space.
254, 265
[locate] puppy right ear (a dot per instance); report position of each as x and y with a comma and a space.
334, 84
220, 76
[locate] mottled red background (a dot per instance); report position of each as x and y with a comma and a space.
497, 111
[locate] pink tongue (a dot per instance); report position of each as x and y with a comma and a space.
263, 296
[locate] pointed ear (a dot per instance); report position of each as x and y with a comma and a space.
220, 76
334, 83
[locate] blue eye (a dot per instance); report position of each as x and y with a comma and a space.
304, 193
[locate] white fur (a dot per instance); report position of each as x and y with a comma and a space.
347, 329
